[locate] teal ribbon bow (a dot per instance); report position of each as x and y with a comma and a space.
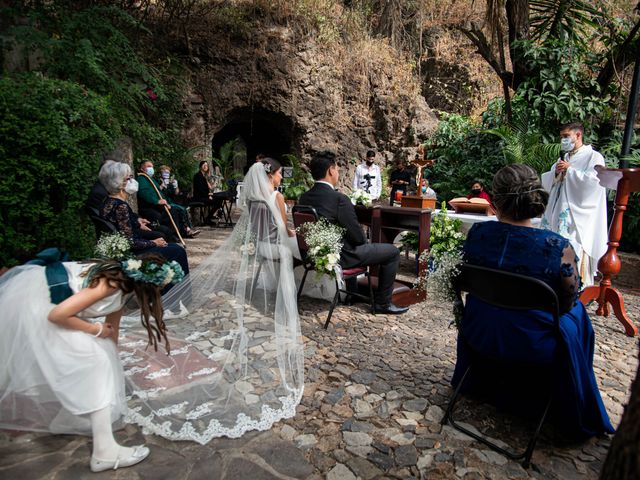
57, 276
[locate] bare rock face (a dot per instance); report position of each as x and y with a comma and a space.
301, 97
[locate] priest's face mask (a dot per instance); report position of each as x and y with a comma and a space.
569, 139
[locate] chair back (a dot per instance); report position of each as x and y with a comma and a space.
101, 225
508, 290
261, 221
303, 214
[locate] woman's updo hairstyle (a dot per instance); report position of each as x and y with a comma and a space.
271, 165
518, 193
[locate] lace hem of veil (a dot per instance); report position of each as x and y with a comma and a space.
244, 424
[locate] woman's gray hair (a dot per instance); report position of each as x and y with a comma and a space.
112, 175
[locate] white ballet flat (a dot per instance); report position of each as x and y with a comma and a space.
140, 452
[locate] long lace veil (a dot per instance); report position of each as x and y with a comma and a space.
236, 361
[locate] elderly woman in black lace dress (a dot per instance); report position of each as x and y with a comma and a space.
118, 180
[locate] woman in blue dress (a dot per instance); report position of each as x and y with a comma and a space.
513, 245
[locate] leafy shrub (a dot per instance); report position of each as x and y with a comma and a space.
462, 153
52, 135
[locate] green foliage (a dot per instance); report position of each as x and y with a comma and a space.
521, 145
560, 89
224, 161
300, 180
88, 86
446, 236
462, 153
52, 135
566, 19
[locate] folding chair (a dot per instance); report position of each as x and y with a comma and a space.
305, 214
101, 225
515, 292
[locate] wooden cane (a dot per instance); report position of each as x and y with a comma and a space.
166, 208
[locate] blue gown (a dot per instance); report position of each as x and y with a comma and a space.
527, 336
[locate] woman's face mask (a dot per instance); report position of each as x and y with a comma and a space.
131, 187
476, 191
166, 174
149, 171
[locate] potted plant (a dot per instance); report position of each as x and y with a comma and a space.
299, 182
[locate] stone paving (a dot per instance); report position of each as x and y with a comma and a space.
375, 390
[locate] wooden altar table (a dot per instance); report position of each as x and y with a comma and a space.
385, 223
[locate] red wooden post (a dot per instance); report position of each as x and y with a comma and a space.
610, 264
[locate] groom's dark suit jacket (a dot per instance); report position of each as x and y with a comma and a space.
337, 208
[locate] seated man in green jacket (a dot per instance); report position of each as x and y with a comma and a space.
152, 202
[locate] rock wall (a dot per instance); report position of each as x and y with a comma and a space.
321, 98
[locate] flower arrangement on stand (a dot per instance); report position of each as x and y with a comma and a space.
442, 261
360, 197
324, 240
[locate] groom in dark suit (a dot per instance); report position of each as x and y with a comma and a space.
356, 252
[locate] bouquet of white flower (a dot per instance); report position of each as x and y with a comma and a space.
324, 240
359, 196
439, 277
114, 245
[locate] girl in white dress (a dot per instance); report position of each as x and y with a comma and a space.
59, 366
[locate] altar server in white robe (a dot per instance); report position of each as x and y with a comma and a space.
577, 207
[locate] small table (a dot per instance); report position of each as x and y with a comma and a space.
385, 223
625, 181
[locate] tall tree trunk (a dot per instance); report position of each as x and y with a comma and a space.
623, 458
518, 22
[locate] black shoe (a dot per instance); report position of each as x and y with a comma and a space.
390, 309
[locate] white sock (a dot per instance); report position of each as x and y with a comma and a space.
105, 446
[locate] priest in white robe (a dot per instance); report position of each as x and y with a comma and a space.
577, 207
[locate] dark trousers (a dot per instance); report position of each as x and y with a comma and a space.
387, 257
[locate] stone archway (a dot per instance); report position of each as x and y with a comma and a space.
259, 131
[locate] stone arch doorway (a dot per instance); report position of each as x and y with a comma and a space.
258, 131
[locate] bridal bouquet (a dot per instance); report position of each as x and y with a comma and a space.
113, 245
360, 197
324, 240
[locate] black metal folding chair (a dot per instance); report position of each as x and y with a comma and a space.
304, 214
515, 292
101, 225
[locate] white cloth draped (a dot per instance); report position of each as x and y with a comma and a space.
577, 208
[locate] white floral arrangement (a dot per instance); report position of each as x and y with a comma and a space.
113, 245
439, 276
249, 248
360, 197
324, 241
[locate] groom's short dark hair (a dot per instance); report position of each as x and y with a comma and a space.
320, 163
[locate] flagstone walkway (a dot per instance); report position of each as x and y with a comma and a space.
375, 390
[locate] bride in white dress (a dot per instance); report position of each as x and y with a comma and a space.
59, 367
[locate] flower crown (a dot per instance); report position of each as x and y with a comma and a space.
150, 272
267, 167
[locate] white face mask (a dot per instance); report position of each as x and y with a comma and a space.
131, 187
149, 171
567, 144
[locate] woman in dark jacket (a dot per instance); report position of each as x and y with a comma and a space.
202, 191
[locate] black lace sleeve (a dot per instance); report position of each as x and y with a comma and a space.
123, 220
569, 279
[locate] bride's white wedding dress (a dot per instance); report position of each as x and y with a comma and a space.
50, 376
